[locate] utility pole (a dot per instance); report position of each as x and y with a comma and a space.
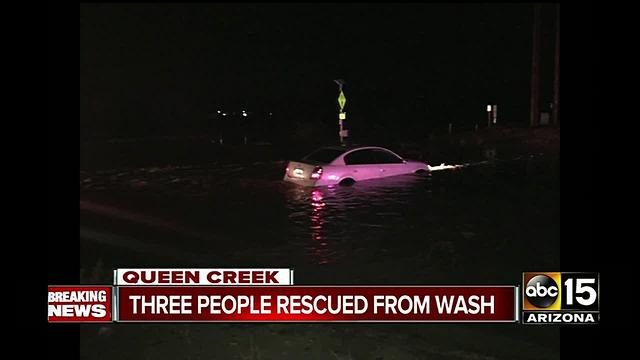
556, 76
535, 68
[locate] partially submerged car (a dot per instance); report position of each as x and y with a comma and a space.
346, 165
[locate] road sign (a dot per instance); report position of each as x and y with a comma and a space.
342, 100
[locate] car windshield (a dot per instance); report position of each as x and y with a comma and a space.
324, 155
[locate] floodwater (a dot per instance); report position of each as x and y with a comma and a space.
482, 224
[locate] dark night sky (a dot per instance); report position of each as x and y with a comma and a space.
155, 69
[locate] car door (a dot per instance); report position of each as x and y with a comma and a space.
389, 163
363, 164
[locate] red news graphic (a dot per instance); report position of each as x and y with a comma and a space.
191, 277
317, 304
79, 304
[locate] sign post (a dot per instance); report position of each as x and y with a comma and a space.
341, 114
495, 114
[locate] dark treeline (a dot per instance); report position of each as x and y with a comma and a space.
155, 70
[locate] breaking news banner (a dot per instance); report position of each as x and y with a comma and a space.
560, 298
79, 303
268, 295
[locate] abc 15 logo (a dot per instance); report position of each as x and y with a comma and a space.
549, 291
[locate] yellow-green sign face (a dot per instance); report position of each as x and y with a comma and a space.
342, 100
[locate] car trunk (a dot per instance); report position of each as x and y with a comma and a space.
299, 170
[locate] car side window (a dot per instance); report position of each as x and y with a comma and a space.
361, 157
385, 157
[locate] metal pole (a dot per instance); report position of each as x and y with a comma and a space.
556, 77
535, 68
495, 114
341, 129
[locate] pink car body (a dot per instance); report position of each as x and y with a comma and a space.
336, 164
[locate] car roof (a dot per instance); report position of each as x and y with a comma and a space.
346, 148
349, 148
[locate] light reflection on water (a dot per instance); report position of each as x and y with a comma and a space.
320, 249
340, 219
